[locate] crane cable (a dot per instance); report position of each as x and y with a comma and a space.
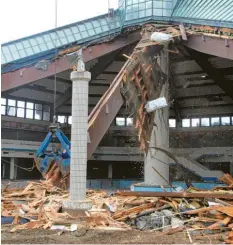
55, 64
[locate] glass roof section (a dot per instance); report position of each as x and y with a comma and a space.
76, 33
218, 11
130, 12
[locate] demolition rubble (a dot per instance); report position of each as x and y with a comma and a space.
195, 211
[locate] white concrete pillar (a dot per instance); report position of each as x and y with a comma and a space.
159, 139
12, 168
79, 136
110, 171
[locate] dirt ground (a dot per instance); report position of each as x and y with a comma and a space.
101, 237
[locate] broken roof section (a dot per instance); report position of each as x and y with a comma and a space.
29, 50
45, 45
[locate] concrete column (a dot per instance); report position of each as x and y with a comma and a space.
110, 171
155, 158
16, 168
78, 165
231, 168
12, 168
3, 170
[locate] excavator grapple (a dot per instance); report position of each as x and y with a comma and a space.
54, 164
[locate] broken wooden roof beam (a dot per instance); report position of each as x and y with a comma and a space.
225, 195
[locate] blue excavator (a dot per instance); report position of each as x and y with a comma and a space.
55, 163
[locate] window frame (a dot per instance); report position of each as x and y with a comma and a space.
41, 110
9, 106
205, 125
118, 117
129, 124
4, 105
211, 124
199, 122
187, 120
19, 107
171, 119
221, 122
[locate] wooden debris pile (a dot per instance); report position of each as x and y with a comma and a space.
41, 205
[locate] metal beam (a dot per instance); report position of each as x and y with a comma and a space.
97, 90
204, 102
208, 111
103, 114
176, 194
190, 77
106, 76
49, 84
101, 82
63, 99
97, 69
186, 84
31, 94
186, 66
66, 110
205, 153
198, 91
216, 75
59, 79
115, 66
118, 158
216, 46
30, 74
40, 88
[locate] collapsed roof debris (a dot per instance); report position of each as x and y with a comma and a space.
194, 211
39, 206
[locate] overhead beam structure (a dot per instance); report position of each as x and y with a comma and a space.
31, 74
104, 112
102, 64
217, 46
216, 75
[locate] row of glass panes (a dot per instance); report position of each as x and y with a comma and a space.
24, 109
131, 2
149, 5
64, 119
206, 121
119, 121
148, 12
122, 121
54, 39
203, 122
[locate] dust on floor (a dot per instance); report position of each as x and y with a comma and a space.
102, 237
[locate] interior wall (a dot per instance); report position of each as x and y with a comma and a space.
120, 170
22, 173
223, 166
97, 170
5, 168
201, 138
127, 170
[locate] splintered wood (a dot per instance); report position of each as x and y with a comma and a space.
39, 206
